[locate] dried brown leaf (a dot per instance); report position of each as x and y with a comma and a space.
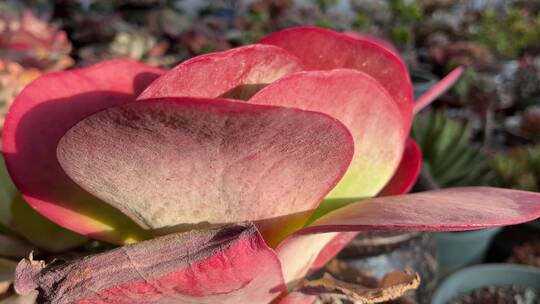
330, 290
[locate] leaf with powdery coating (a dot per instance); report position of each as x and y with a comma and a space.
321, 49
40, 116
449, 209
175, 163
225, 265
407, 171
237, 73
319, 248
361, 104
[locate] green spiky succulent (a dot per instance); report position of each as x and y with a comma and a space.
450, 158
518, 168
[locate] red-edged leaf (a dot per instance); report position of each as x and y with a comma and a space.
175, 163
371, 115
374, 39
298, 252
321, 49
440, 210
40, 115
237, 73
361, 104
298, 298
332, 248
402, 182
226, 265
438, 89
407, 172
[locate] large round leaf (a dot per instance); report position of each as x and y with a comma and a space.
361, 104
321, 49
38, 118
237, 73
228, 265
180, 163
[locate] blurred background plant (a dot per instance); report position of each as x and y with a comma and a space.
450, 159
518, 168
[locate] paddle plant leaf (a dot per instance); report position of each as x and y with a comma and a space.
401, 183
320, 248
7, 194
388, 45
41, 232
297, 297
40, 116
449, 209
226, 265
407, 172
440, 210
179, 163
237, 73
321, 49
18, 217
361, 104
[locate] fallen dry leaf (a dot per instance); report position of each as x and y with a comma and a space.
330, 290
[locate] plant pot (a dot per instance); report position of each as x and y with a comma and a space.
422, 81
486, 275
459, 249
380, 253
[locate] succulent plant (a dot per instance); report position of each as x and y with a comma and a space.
213, 170
530, 125
510, 32
33, 43
526, 83
28, 46
13, 77
450, 157
518, 168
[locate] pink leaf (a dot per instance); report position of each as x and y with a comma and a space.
179, 163
321, 49
298, 252
440, 210
402, 182
298, 298
361, 104
371, 115
237, 73
388, 45
438, 89
225, 265
332, 248
40, 115
407, 172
